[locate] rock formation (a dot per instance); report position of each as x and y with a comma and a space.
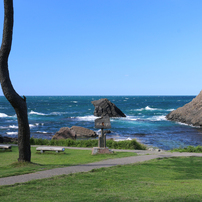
73, 133
190, 113
104, 107
5, 139
83, 132
64, 133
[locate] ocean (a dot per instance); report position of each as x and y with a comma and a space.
145, 118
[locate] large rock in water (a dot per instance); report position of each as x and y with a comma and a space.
190, 113
73, 133
104, 107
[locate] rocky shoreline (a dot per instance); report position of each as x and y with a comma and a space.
191, 113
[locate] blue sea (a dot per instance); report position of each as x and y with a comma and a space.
145, 119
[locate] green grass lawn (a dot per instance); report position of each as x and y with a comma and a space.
9, 165
173, 179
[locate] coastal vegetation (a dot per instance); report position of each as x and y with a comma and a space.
197, 149
168, 179
126, 144
48, 160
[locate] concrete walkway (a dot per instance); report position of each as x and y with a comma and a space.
143, 156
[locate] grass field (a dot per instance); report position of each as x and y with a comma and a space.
173, 179
9, 165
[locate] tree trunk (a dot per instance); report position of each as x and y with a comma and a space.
18, 103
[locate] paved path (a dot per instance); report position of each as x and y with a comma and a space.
143, 156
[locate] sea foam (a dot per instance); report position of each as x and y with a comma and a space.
37, 113
11, 133
86, 118
2, 115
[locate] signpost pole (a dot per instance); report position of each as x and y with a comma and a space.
102, 123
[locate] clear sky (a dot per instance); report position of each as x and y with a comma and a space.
106, 47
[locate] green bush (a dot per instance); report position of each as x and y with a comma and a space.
127, 144
197, 149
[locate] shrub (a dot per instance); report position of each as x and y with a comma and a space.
197, 149
127, 144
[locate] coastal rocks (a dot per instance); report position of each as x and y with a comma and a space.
64, 133
74, 132
190, 113
104, 107
83, 132
5, 139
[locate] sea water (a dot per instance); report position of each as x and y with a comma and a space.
145, 118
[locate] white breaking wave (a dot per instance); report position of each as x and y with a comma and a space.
32, 125
13, 126
11, 133
185, 124
87, 118
44, 132
57, 113
37, 113
2, 115
151, 109
169, 110
52, 113
158, 118
147, 108
130, 118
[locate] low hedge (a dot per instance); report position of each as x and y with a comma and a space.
126, 144
197, 149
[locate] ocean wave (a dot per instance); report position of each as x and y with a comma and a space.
37, 113
131, 118
86, 118
158, 118
50, 114
43, 132
11, 133
185, 124
2, 115
13, 126
147, 108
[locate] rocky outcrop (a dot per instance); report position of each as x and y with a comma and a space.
64, 133
104, 107
74, 132
190, 113
83, 132
5, 139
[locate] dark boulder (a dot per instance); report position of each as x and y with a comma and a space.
104, 107
74, 132
190, 113
5, 139
1, 139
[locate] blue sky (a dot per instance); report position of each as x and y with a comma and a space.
106, 47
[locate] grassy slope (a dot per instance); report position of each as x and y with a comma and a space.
9, 165
174, 179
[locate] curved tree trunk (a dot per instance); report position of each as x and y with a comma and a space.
18, 103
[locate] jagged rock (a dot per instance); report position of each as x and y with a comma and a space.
190, 113
73, 133
104, 107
